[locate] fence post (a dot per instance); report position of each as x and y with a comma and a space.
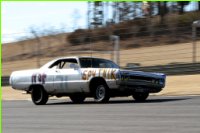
37, 38
116, 50
38, 52
194, 44
195, 24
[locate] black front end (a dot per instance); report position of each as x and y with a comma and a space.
137, 81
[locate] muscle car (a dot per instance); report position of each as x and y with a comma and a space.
82, 77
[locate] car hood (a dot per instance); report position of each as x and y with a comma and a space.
141, 73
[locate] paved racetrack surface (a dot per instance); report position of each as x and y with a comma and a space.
121, 115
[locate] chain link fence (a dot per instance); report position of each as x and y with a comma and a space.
148, 48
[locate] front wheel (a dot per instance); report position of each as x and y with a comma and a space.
140, 96
101, 93
39, 96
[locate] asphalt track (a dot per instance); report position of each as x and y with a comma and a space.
122, 115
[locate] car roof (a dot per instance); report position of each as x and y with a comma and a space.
69, 57
76, 57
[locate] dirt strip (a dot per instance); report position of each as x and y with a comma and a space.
182, 85
176, 85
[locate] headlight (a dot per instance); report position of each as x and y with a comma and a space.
161, 81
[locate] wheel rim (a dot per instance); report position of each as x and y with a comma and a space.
100, 92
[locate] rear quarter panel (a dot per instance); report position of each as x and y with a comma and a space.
21, 80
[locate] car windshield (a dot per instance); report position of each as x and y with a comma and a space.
96, 63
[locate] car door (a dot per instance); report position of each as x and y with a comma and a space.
66, 79
48, 76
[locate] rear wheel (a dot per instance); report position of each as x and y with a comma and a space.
101, 93
77, 98
140, 96
39, 96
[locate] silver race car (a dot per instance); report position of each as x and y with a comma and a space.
81, 77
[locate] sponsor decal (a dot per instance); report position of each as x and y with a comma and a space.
41, 78
124, 77
105, 73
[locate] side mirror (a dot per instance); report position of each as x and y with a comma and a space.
74, 66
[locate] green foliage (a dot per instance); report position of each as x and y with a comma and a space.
188, 18
77, 37
139, 27
81, 36
123, 30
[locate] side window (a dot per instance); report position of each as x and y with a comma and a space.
104, 64
56, 65
67, 65
63, 64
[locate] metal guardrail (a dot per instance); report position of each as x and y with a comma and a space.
174, 69
5, 81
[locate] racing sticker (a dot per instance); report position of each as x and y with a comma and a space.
38, 78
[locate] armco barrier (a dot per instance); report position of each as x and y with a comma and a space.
5, 81
174, 69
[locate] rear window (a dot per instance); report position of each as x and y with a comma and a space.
96, 63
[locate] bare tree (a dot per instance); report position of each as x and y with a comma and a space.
135, 8
162, 10
36, 36
182, 4
75, 18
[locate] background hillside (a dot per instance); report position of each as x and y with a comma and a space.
157, 36
133, 34
154, 38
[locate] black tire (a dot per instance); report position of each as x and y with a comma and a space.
39, 96
101, 93
140, 96
77, 98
